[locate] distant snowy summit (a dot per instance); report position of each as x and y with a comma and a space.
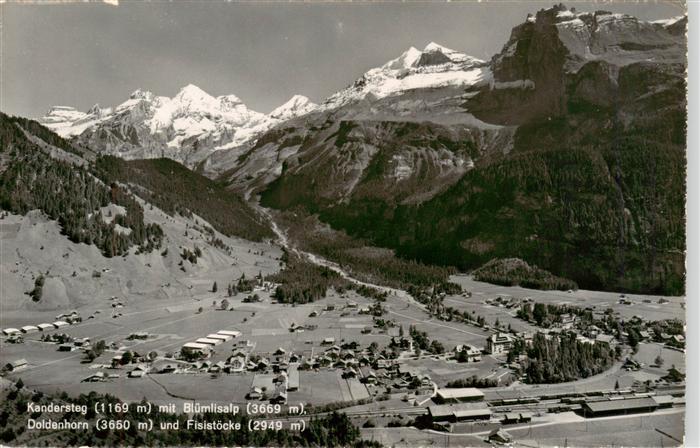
434, 67
193, 125
186, 127
297, 106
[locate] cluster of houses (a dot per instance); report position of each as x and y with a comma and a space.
501, 343
507, 301
62, 320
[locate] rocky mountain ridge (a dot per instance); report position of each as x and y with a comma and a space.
186, 128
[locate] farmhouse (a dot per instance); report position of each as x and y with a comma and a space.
137, 372
29, 329
605, 339
80, 342
15, 339
568, 321
472, 354
280, 397
95, 377
498, 435
499, 343
9, 331
18, 364
45, 327
618, 407
456, 395
60, 323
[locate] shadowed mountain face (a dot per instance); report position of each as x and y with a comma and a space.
568, 153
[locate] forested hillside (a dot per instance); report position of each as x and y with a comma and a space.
31, 179
175, 189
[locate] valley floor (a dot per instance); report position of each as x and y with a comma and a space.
175, 307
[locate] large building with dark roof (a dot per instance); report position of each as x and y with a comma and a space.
618, 407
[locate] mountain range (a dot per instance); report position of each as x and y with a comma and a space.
186, 128
565, 149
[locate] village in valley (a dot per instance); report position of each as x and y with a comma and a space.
416, 366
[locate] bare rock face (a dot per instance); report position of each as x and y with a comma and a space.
558, 46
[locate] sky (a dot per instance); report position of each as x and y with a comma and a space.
87, 53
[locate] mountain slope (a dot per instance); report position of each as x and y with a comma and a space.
88, 211
576, 156
74, 232
401, 124
175, 189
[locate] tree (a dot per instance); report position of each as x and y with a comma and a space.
224, 304
127, 357
633, 340
214, 288
617, 385
659, 361
38, 290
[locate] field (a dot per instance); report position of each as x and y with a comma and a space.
645, 306
663, 428
265, 324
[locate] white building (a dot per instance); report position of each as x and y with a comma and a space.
499, 343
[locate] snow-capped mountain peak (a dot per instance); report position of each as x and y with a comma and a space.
434, 67
432, 46
296, 106
408, 59
187, 127
140, 94
192, 94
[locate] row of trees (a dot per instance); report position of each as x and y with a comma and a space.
473, 381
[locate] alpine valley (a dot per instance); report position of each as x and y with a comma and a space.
566, 150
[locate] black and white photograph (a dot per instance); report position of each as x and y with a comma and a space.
344, 224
